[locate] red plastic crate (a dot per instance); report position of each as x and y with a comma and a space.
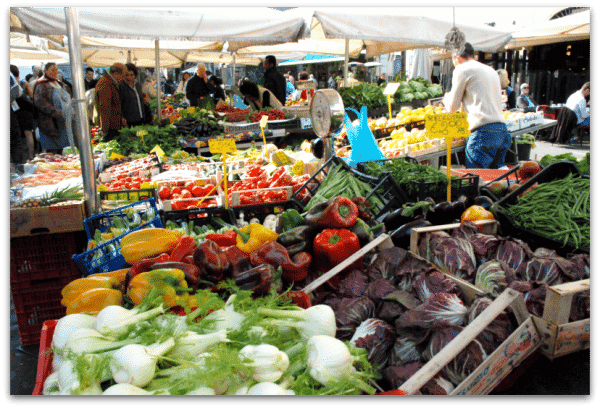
31, 320
35, 259
44, 367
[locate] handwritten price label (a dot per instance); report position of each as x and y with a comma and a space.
447, 125
222, 146
281, 158
141, 133
263, 121
297, 168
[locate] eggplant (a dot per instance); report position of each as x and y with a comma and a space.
443, 213
401, 236
395, 219
483, 201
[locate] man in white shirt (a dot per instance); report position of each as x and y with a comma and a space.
476, 90
577, 102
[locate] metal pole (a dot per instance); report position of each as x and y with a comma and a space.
157, 72
233, 83
82, 130
346, 61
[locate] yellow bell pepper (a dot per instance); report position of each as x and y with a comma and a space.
170, 283
76, 287
252, 236
148, 242
92, 301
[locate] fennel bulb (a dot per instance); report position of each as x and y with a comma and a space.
269, 388
267, 363
68, 325
114, 320
136, 364
314, 321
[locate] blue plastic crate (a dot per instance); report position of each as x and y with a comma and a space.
107, 257
104, 221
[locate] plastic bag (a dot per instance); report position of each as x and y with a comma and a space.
363, 143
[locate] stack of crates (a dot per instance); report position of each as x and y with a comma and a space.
40, 267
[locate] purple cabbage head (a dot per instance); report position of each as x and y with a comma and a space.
426, 284
494, 276
350, 313
354, 284
514, 252
439, 310
534, 294
454, 255
377, 337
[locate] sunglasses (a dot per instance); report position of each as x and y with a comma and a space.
525, 87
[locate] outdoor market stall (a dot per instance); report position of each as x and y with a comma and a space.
272, 270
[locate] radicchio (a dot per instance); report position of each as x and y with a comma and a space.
465, 362
581, 265
484, 247
494, 276
395, 376
377, 337
439, 310
406, 349
454, 255
426, 284
385, 264
350, 313
514, 252
534, 294
498, 330
411, 267
354, 284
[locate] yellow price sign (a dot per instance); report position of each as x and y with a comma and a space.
297, 168
223, 146
263, 121
141, 133
114, 155
445, 125
191, 109
158, 151
281, 158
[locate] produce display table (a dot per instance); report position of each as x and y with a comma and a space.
548, 123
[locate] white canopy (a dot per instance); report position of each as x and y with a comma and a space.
240, 26
573, 27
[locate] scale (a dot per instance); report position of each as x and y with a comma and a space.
327, 116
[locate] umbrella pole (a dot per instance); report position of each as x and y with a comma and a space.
346, 61
157, 73
82, 131
232, 77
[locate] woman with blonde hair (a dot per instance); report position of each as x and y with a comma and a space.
510, 100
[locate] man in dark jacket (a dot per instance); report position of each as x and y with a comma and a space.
108, 101
198, 89
274, 81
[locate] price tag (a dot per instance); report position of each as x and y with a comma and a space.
297, 168
263, 121
191, 109
281, 158
158, 151
443, 125
226, 145
391, 88
141, 133
114, 155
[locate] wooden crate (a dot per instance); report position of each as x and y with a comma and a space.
484, 226
51, 219
516, 348
559, 337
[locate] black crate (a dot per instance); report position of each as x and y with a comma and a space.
510, 177
384, 189
554, 171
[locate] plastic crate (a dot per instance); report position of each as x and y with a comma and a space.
509, 177
36, 259
284, 124
44, 367
467, 185
107, 257
552, 172
129, 195
383, 188
104, 221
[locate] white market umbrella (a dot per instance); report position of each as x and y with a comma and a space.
574, 27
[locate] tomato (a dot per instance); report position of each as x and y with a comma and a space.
164, 193
176, 190
189, 186
186, 194
476, 213
197, 191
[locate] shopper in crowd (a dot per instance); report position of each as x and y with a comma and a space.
149, 87
574, 113
24, 113
51, 103
476, 87
108, 101
181, 85
132, 97
199, 88
37, 74
16, 142
509, 97
331, 81
273, 80
290, 89
219, 93
291, 78
258, 97
351, 80
381, 80
525, 102
89, 81
311, 77
339, 79
303, 76
60, 76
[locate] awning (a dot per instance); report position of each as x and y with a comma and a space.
312, 61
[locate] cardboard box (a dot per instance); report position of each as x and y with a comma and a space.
52, 219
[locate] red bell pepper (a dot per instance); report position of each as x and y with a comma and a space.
337, 212
143, 265
294, 269
184, 247
333, 246
212, 261
224, 240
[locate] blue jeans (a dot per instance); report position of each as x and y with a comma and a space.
586, 122
487, 146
